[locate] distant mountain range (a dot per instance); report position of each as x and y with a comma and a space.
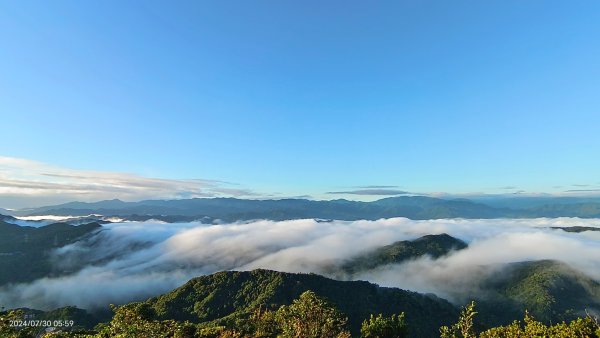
413, 207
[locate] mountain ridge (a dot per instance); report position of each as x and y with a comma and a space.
233, 209
227, 296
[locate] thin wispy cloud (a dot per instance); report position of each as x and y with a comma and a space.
36, 182
372, 192
377, 186
307, 197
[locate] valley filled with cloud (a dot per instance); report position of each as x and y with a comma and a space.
129, 261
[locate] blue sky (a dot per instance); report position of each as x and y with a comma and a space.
290, 98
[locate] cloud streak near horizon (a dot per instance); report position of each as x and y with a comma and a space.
133, 261
29, 183
372, 192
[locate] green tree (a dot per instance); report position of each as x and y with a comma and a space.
579, 328
264, 323
137, 320
8, 328
586, 327
311, 317
464, 327
384, 327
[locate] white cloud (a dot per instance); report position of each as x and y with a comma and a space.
26, 183
132, 261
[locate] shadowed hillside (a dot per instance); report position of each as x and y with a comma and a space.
24, 250
550, 290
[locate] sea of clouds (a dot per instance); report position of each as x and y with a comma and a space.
136, 260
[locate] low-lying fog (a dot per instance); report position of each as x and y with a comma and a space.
133, 261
